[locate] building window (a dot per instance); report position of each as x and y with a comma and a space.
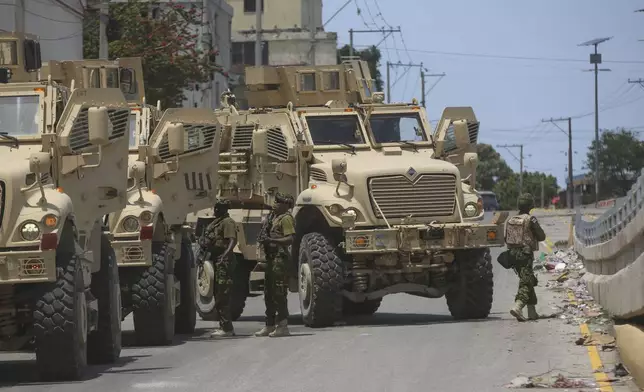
307, 81
249, 6
244, 53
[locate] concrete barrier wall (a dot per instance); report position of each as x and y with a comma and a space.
612, 248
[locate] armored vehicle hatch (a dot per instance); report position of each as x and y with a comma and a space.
19, 57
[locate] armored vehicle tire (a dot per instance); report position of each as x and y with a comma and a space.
154, 313
320, 281
206, 304
185, 271
104, 344
60, 323
368, 307
471, 292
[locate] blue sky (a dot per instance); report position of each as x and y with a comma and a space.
510, 96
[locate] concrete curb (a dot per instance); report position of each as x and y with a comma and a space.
630, 342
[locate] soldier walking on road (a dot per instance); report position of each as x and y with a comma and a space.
276, 246
220, 238
522, 236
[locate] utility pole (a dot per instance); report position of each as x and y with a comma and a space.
570, 190
19, 16
520, 147
543, 188
258, 32
352, 31
313, 30
389, 65
423, 75
104, 18
596, 59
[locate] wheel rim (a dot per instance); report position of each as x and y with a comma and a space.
305, 287
205, 276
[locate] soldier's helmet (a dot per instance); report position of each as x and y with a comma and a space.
222, 203
525, 202
284, 198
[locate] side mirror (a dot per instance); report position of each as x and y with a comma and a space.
461, 133
39, 162
176, 142
471, 160
339, 167
137, 170
260, 143
98, 124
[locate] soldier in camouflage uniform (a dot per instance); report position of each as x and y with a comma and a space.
522, 237
276, 245
220, 238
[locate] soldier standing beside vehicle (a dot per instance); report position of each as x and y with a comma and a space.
276, 246
220, 238
522, 236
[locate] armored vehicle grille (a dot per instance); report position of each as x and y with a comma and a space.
243, 137
317, 175
2, 198
429, 195
473, 130
450, 138
79, 135
277, 144
197, 137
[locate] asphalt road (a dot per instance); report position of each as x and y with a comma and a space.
411, 344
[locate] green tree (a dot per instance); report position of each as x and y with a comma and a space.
507, 190
621, 159
371, 55
166, 41
491, 169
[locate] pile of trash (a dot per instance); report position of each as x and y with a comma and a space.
559, 261
550, 381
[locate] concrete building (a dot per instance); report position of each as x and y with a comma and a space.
291, 34
58, 23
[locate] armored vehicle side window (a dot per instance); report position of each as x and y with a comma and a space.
112, 77
8, 53
307, 81
335, 129
133, 133
331, 80
19, 115
397, 127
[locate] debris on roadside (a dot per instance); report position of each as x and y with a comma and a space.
602, 339
620, 370
550, 382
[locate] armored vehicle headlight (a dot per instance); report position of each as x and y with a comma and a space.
130, 224
471, 210
146, 217
335, 209
29, 231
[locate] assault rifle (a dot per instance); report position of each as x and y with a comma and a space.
264, 232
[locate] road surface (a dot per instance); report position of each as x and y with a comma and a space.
411, 344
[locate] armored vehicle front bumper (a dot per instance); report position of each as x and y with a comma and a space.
131, 251
27, 265
422, 238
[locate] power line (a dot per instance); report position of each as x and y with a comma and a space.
522, 58
520, 147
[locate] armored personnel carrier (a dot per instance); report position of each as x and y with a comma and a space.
384, 204
62, 151
172, 168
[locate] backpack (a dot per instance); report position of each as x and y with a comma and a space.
518, 232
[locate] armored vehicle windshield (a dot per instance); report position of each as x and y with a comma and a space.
397, 127
19, 114
339, 129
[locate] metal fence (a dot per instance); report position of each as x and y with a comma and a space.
614, 220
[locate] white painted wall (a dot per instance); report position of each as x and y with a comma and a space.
59, 28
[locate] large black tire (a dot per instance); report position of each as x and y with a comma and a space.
104, 344
186, 272
321, 279
241, 275
60, 322
472, 285
368, 307
153, 312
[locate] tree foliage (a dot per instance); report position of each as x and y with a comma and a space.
165, 38
507, 190
371, 55
491, 169
621, 159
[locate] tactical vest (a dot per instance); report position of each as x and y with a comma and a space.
518, 233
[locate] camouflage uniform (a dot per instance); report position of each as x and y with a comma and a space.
276, 276
523, 234
214, 240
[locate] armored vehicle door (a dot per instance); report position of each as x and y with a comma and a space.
92, 154
184, 161
456, 139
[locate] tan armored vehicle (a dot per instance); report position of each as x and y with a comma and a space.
384, 205
171, 171
62, 153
